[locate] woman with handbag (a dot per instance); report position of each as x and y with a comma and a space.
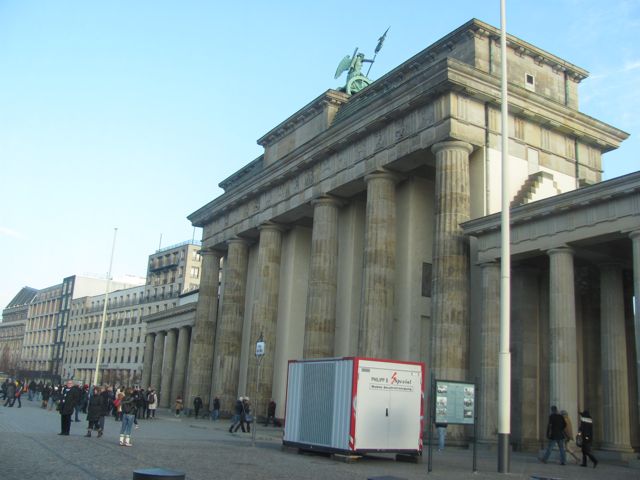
585, 433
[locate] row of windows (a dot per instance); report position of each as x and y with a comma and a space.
109, 355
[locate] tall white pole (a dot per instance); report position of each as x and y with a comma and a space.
504, 360
104, 313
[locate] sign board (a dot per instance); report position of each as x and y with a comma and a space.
260, 349
455, 402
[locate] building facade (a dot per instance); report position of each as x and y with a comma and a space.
14, 319
345, 237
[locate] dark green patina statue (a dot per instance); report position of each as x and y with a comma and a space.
356, 80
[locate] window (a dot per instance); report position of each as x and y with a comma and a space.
529, 82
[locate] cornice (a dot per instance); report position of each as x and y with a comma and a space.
410, 92
312, 109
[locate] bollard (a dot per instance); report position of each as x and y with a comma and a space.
157, 474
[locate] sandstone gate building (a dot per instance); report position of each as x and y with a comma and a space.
354, 234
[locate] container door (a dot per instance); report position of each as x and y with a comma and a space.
404, 410
372, 409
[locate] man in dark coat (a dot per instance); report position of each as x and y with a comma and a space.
69, 398
555, 434
10, 394
197, 405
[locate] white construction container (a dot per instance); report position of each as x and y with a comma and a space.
355, 405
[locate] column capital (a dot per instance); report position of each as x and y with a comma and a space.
452, 145
490, 263
560, 249
276, 227
238, 240
211, 251
376, 174
634, 235
327, 200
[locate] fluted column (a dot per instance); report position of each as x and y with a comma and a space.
490, 332
450, 287
635, 240
167, 369
158, 355
204, 329
563, 363
229, 337
320, 320
615, 385
148, 359
182, 357
264, 315
379, 266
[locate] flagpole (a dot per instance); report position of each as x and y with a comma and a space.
504, 358
104, 314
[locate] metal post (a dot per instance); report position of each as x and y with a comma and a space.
260, 351
430, 416
104, 315
504, 359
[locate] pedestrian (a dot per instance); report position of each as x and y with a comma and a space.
568, 435
10, 394
236, 421
46, 394
18, 394
246, 416
32, 390
197, 405
143, 405
55, 398
271, 413
106, 404
128, 405
179, 405
95, 411
555, 434
152, 400
3, 388
215, 412
441, 427
39, 389
69, 398
117, 404
585, 431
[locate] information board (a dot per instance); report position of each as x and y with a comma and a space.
455, 402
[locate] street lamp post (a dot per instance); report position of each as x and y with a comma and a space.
260, 351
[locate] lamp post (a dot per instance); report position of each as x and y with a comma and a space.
260, 351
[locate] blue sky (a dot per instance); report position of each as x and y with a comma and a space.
129, 113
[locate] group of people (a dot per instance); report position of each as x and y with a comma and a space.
560, 432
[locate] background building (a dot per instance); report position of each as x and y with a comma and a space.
14, 319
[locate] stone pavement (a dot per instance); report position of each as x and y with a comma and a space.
31, 449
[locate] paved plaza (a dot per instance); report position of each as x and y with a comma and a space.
31, 449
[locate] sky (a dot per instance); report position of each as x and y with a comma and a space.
128, 114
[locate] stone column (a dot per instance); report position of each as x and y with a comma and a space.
490, 334
264, 315
158, 355
450, 287
615, 396
635, 240
182, 356
563, 364
204, 329
167, 369
229, 337
148, 359
320, 320
379, 267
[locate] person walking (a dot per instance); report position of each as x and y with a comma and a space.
197, 405
215, 412
152, 400
585, 430
32, 390
95, 411
10, 394
568, 436
128, 405
69, 398
247, 415
236, 420
555, 434
46, 394
18, 394
271, 413
105, 393
179, 405
441, 427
